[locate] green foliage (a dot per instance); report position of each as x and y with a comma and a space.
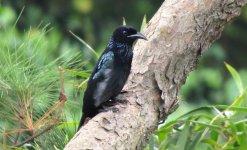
30, 84
207, 127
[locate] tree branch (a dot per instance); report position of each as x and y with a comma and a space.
177, 35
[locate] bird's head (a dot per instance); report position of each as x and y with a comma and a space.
127, 35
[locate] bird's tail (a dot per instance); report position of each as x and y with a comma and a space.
86, 116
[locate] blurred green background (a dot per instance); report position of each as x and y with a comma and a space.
40, 30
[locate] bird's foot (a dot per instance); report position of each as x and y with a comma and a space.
120, 101
106, 108
109, 103
123, 91
114, 101
114, 109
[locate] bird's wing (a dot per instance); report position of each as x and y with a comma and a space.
102, 77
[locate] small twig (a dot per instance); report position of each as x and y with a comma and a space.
36, 135
62, 96
18, 133
20, 118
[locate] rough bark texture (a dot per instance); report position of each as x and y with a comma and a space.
177, 35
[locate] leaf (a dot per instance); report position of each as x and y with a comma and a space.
167, 125
85, 43
194, 142
211, 142
239, 100
206, 125
144, 22
153, 144
214, 135
233, 108
66, 124
236, 78
202, 110
81, 74
242, 135
182, 140
124, 22
22, 10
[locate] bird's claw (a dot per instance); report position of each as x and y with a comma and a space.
123, 101
106, 109
115, 109
120, 101
123, 91
109, 103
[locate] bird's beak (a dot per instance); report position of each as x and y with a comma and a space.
138, 35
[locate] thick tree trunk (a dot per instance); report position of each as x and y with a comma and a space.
177, 35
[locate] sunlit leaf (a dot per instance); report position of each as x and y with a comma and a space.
234, 108
124, 22
144, 22
236, 78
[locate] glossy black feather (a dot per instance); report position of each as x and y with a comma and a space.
111, 71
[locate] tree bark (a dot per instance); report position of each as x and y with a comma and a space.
178, 34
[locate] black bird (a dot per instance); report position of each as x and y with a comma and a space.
111, 72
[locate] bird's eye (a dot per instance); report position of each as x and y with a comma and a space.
125, 32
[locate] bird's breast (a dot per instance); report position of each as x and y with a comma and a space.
124, 55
